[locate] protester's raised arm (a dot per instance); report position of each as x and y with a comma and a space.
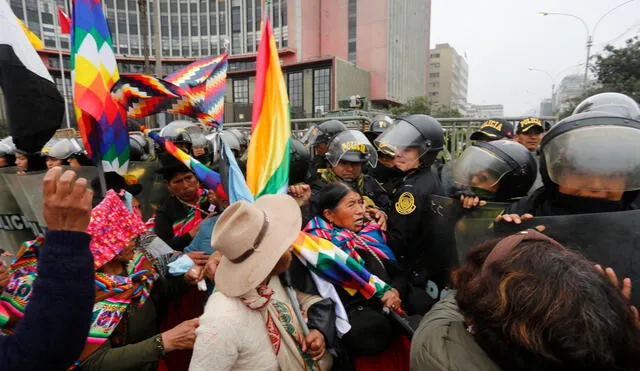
56, 321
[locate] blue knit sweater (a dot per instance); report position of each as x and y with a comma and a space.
56, 321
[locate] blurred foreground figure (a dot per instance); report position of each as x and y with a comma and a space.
527, 303
53, 327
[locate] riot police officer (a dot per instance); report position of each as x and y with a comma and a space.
346, 155
386, 172
589, 162
500, 171
299, 159
317, 140
426, 253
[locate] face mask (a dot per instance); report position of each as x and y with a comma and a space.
483, 194
587, 205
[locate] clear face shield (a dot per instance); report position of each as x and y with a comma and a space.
310, 137
399, 138
351, 146
603, 158
479, 169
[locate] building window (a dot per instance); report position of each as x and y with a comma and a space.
321, 89
241, 91
435, 65
434, 74
294, 87
434, 55
353, 23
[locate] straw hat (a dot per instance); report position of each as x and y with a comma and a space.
252, 237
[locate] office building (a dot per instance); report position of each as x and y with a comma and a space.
570, 87
327, 48
448, 77
485, 111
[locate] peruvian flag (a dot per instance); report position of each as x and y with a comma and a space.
64, 21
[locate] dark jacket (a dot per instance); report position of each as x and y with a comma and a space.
442, 342
57, 319
171, 211
422, 241
132, 346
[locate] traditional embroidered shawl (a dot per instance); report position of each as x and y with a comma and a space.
113, 294
370, 238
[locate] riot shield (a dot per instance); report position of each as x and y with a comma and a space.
27, 191
15, 228
470, 226
154, 192
609, 239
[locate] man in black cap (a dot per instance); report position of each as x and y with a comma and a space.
493, 129
178, 219
529, 133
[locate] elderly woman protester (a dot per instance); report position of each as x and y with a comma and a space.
124, 332
250, 322
527, 303
373, 340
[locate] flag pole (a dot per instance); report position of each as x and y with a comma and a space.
64, 82
98, 158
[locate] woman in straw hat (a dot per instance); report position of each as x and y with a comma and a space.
250, 323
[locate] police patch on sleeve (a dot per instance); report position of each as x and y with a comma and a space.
406, 204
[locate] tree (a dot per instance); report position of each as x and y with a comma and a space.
446, 111
413, 105
424, 106
618, 69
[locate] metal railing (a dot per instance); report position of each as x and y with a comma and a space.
457, 129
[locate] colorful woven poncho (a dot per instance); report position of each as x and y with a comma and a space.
114, 294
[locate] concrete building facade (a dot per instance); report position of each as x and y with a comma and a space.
485, 111
335, 44
570, 87
448, 77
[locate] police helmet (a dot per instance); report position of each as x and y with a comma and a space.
46, 149
173, 130
242, 139
351, 146
64, 149
299, 160
231, 141
7, 150
595, 150
380, 124
323, 133
418, 131
138, 147
499, 170
616, 104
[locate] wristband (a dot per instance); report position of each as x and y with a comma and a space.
159, 346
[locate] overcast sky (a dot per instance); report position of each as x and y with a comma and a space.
502, 38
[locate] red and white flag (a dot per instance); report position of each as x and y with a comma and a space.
64, 21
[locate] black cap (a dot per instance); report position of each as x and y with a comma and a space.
171, 166
494, 129
529, 124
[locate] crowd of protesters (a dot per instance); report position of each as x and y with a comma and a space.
208, 285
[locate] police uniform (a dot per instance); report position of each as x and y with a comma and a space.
420, 237
425, 251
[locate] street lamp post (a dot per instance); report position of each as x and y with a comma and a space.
590, 34
553, 85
